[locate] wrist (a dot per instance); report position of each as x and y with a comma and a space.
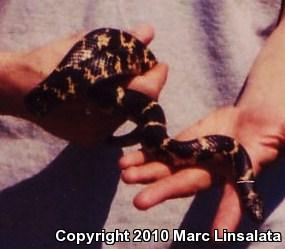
17, 78
8, 89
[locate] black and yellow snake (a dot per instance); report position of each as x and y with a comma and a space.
95, 68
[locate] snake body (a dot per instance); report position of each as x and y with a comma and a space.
97, 66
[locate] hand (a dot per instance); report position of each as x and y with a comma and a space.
257, 122
261, 133
21, 72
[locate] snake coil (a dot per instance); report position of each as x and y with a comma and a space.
95, 68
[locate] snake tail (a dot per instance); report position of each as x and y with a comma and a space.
151, 121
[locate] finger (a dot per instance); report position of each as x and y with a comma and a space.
143, 32
132, 159
152, 81
229, 211
184, 183
146, 173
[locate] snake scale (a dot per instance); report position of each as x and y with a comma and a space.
96, 67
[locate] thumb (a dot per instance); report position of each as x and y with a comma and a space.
220, 122
143, 32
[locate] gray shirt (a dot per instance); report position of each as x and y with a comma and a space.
209, 46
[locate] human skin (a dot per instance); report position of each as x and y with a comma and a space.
21, 72
257, 121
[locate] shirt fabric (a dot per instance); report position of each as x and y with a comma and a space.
48, 184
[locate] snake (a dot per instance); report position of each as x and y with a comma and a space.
98, 68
